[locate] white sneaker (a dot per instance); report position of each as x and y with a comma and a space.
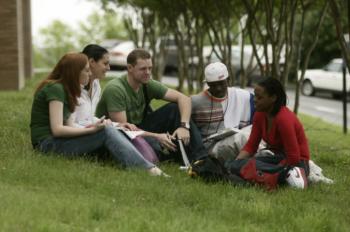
155, 171
296, 178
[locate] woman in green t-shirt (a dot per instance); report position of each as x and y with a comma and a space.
52, 127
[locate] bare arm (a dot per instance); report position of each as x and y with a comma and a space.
121, 118
118, 116
163, 139
184, 104
59, 129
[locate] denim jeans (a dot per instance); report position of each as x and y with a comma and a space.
167, 119
109, 138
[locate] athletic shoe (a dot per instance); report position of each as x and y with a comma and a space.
296, 178
155, 171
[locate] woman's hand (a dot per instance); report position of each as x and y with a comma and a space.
108, 122
100, 124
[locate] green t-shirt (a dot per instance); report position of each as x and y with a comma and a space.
118, 96
40, 119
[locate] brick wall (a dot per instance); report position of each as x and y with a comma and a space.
27, 37
15, 57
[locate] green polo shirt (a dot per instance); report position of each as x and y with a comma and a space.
40, 118
118, 96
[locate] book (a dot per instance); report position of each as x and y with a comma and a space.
222, 134
130, 134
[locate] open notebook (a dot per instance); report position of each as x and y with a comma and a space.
222, 134
130, 134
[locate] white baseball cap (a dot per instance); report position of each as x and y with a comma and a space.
215, 72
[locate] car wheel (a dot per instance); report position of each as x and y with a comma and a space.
337, 96
307, 88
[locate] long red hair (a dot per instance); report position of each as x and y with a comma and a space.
67, 72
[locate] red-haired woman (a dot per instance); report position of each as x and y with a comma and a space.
52, 127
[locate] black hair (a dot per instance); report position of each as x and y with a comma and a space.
272, 87
94, 51
137, 53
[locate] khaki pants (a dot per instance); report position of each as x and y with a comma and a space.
229, 147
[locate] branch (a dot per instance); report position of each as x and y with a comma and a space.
337, 20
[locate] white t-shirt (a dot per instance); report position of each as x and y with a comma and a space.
84, 113
239, 108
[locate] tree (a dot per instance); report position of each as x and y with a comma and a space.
327, 46
144, 28
222, 19
310, 47
99, 26
158, 22
337, 8
58, 39
274, 23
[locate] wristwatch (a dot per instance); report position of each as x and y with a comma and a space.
185, 125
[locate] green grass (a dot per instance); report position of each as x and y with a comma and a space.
50, 193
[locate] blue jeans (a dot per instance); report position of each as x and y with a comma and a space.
109, 138
167, 119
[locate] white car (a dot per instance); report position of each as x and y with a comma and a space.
118, 53
328, 79
250, 63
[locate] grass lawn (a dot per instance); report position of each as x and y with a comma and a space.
50, 193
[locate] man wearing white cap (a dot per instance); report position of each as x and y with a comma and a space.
221, 107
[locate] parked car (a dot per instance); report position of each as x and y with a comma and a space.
328, 79
110, 43
250, 63
118, 54
120, 51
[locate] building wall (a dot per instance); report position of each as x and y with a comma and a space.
15, 35
27, 38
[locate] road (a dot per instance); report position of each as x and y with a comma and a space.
321, 106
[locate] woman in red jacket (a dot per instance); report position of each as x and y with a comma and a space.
283, 133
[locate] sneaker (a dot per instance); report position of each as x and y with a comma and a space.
155, 171
296, 178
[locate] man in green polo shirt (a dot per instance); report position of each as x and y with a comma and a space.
123, 100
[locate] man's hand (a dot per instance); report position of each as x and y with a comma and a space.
165, 140
183, 134
129, 126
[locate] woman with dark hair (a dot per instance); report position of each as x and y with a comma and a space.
283, 133
52, 127
84, 113
98, 58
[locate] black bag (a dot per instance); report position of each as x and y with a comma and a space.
211, 169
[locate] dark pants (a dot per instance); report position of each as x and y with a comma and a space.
267, 164
167, 119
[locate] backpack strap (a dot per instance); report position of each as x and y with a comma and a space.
147, 101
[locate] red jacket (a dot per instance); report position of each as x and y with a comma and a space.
286, 135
